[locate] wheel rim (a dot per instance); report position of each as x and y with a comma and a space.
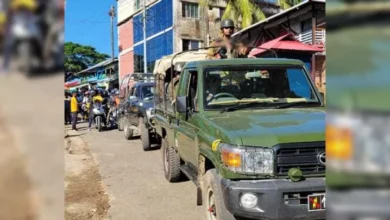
166, 159
211, 208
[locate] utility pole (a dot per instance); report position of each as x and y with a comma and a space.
144, 30
112, 14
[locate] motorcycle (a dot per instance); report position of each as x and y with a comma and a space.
112, 116
99, 115
28, 38
36, 48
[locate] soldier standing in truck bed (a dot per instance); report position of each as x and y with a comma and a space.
224, 47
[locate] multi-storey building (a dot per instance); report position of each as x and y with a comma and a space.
171, 26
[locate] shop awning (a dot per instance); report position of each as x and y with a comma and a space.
286, 42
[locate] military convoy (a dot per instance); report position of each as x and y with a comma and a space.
249, 133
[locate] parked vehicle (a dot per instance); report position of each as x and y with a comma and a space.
99, 115
138, 114
127, 83
250, 133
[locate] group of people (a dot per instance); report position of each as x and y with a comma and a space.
82, 103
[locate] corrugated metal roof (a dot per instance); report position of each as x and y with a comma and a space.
286, 42
103, 63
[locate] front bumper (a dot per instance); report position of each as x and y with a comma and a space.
274, 198
358, 203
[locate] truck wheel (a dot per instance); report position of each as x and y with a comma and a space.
171, 161
213, 199
127, 130
145, 137
120, 124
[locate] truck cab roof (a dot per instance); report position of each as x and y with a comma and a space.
244, 61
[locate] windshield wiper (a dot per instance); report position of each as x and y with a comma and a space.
242, 106
293, 104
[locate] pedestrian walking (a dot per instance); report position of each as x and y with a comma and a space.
74, 110
68, 116
84, 105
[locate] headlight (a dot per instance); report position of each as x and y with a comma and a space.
247, 160
357, 143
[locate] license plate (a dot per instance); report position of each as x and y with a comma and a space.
316, 202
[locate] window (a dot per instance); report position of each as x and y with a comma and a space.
190, 44
266, 86
192, 87
137, 4
190, 10
147, 93
221, 11
306, 25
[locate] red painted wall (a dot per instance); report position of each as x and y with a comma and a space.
125, 41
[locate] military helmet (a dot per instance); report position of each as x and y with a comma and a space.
227, 23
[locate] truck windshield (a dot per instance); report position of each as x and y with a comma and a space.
268, 86
147, 92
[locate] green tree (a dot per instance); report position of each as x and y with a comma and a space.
247, 11
79, 57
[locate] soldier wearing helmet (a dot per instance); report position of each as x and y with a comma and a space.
224, 47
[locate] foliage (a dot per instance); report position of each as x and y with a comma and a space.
246, 11
79, 57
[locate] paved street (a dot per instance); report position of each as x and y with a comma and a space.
135, 180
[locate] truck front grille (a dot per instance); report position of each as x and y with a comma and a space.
304, 156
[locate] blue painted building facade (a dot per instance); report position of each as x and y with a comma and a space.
159, 34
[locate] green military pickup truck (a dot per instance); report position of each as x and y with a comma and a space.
358, 112
250, 133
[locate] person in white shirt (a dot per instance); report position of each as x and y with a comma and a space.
84, 105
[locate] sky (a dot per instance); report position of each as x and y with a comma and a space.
87, 22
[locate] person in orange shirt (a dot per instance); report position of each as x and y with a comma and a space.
117, 100
74, 110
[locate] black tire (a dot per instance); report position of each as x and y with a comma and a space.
213, 199
127, 130
171, 162
99, 123
145, 137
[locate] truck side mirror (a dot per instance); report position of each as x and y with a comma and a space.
181, 104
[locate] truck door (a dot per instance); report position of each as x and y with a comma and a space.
133, 101
186, 135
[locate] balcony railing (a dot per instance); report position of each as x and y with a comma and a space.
306, 37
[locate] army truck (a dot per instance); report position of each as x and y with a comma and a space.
358, 112
249, 133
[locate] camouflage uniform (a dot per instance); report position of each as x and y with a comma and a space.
221, 51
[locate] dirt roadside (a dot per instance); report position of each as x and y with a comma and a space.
17, 198
85, 196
